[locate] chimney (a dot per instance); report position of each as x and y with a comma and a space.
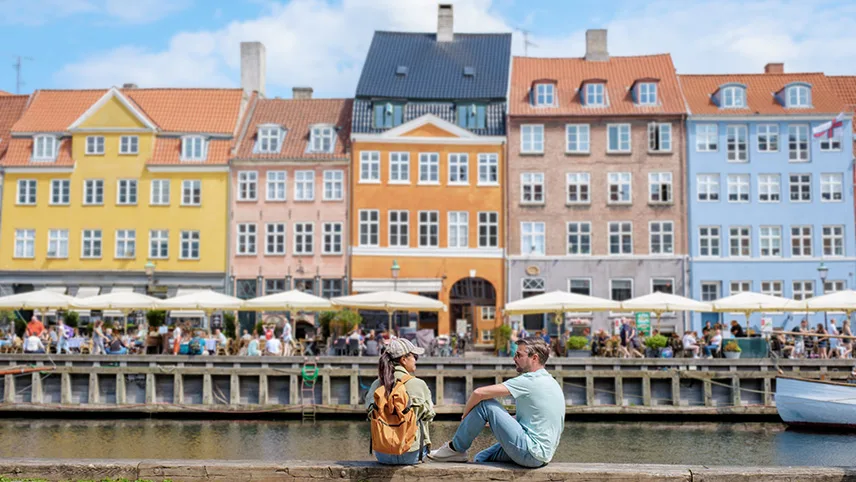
301, 93
596, 45
129, 85
774, 68
252, 67
445, 23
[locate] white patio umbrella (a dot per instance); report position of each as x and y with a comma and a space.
293, 300
659, 303
839, 301
389, 301
123, 301
205, 300
749, 302
559, 302
36, 300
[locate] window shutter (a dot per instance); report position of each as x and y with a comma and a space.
463, 113
652, 136
379, 114
481, 117
398, 115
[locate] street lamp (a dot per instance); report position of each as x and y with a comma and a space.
823, 271
394, 269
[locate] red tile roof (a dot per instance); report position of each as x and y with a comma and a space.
56, 110
297, 116
845, 87
11, 109
620, 73
168, 152
760, 90
21, 149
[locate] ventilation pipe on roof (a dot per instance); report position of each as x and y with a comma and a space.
253, 67
445, 23
596, 45
774, 68
129, 85
301, 93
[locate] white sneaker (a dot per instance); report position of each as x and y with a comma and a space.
446, 454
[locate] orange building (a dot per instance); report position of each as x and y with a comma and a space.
428, 144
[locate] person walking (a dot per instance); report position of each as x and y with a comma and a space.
98, 338
530, 439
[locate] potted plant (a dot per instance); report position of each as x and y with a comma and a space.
732, 350
578, 347
654, 345
501, 336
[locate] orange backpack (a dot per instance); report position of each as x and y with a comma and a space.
393, 423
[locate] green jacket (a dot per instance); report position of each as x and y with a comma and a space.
420, 402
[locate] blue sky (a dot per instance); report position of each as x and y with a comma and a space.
321, 43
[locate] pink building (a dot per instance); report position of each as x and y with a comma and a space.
289, 210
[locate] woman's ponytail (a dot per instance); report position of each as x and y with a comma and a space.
386, 372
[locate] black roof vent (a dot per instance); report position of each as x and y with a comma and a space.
469, 71
401, 70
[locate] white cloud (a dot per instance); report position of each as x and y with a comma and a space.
37, 12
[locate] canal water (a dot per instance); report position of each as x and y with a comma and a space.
583, 442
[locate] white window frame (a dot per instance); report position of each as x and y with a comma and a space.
595, 94
488, 229
488, 169
832, 237
731, 99
429, 168
717, 289
619, 180
802, 241
794, 99
709, 239
190, 239
799, 143
276, 186
831, 144
334, 185
578, 237
458, 229
319, 136
545, 95
803, 185
624, 232
368, 228
831, 187
125, 239
194, 148
401, 238
187, 191
802, 290
129, 145
773, 288
332, 235
247, 239
94, 145
707, 185
769, 185
25, 243
58, 239
665, 234
27, 194
735, 287
581, 184
659, 137
623, 146
369, 167
304, 185
740, 241
770, 135
739, 185
129, 188
577, 138
92, 186
659, 279
532, 139
657, 181
707, 135
767, 236
531, 182
45, 148
399, 168
92, 239
612, 286
248, 186
834, 286
159, 192
459, 169
275, 239
269, 139
158, 238
737, 151
647, 93
304, 237
535, 231
60, 192
431, 219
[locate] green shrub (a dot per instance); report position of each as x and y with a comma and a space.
260, 328
229, 325
155, 318
655, 342
576, 343
344, 322
20, 327
324, 320
72, 319
501, 335
732, 346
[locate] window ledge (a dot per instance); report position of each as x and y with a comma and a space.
578, 204
531, 153
303, 254
661, 203
458, 184
487, 184
619, 203
578, 153
332, 254
247, 200
421, 183
524, 203
191, 205
276, 200
368, 181
660, 153
618, 153
399, 183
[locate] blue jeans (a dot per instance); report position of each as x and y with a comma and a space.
407, 458
513, 445
62, 345
709, 349
120, 351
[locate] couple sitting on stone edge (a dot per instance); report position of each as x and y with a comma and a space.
400, 435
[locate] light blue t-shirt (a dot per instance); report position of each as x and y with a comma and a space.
540, 411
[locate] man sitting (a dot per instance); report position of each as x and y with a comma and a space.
115, 345
253, 346
531, 439
34, 344
273, 347
714, 345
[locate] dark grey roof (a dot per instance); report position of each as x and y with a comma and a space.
435, 70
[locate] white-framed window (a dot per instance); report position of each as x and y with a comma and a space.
304, 185
737, 287
191, 193
488, 229
276, 185
159, 195
579, 187
769, 188
370, 166
709, 241
488, 170
159, 243
801, 241
733, 97
834, 286
486, 335
126, 243
472, 115
129, 145
800, 187
661, 237
660, 187
190, 241
334, 185
768, 137
738, 188
580, 286
533, 284
833, 143
707, 137
798, 96
90, 246
269, 140
770, 240
459, 169
399, 168
322, 139
595, 94
304, 238
194, 148
710, 290
772, 288
93, 192
831, 187
620, 187
578, 138
532, 138
833, 240
429, 229
94, 145
618, 138
532, 188
621, 237
369, 227
332, 238
647, 93
60, 192
459, 229
545, 94
798, 143
803, 290
659, 137
429, 168
399, 229
45, 148
620, 289
708, 187
248, 182
27, 191
532, 238
126, 192
274, 239
579, 238
488, 313
736, 144
663, 285
247, 239
58, 243
25, 243
740, 241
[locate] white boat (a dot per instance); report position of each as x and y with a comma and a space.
816, 403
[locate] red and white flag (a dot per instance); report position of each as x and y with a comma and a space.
828, 129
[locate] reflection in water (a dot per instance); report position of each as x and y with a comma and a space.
649, 442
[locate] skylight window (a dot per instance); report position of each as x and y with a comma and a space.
469, 71
401, 70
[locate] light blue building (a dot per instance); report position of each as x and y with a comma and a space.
768, 202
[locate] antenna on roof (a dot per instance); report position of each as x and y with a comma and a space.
526, 42
19, 64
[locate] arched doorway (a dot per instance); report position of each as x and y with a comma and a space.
472, 306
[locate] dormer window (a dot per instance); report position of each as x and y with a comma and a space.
322, 138
798, 96
269, 139
472, 116
595, 95
647, 93
387, 115
733, 97
194, 148
545, 94
44, 148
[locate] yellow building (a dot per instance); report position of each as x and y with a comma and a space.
97, 184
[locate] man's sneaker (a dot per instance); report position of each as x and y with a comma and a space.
446, 454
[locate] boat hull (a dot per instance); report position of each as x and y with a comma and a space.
815, 403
